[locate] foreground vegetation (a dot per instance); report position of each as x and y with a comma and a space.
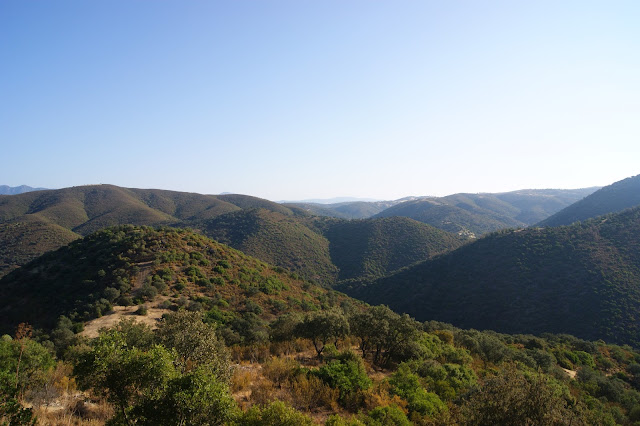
336, 367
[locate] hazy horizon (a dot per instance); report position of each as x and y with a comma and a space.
293, 100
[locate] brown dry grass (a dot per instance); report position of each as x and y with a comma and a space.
154, 313
73, 410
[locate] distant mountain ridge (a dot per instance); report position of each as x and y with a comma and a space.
334, 200
13, 190
610, 199
477, 214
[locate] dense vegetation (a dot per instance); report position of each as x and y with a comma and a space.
22, 242
610, 199
375, 368
477, 214
376, 247
581, 279
286, 237
273, 237
167, 268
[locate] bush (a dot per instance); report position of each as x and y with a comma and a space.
390, 415
348, 375
276, 413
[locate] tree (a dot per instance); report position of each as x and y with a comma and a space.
383, 332
128, 376
11, 412
195, 342
151, 384
195, 398
510, 398
322, 327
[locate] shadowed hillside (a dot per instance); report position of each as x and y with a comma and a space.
376, 247
610, 199
581, 279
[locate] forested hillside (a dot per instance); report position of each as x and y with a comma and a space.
130, 265
31, 224
581, 279
610, 199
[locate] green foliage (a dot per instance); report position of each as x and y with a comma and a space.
385, 334
197, 397
11, 411
276, 413
322, 327
346, 373
578, 279
195, 343
510, 398
390, 415
407, 385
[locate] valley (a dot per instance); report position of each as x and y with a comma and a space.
285, 314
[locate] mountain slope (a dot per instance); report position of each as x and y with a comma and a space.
85, 278
287, 237
85, 209
376, 247
610, 199
24, 241
275, 238
583, 279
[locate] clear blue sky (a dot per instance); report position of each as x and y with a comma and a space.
300, 99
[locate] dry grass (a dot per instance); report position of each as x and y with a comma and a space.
154, 313
73, 410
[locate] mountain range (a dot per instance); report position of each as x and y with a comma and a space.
34, 223
13, 190
581, 278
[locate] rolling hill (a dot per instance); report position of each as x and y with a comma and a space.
121, 265
376, 247
582, 279
286, 237
610, 199
73, 212
477, 214
276, 238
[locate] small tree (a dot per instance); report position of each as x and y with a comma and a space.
323, 327
195, 342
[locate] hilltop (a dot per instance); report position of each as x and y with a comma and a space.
128, 265
285, 236
70, 213
610, 199
580, 279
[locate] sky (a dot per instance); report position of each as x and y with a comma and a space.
299, 99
